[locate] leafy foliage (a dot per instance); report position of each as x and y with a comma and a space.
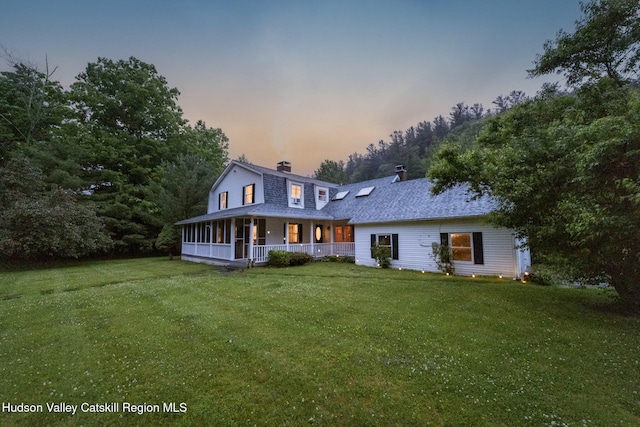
382, 255
112, 142
443, 257
605, 43
37, 224
565, 167
279, 258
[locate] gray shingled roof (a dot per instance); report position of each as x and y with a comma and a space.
390, 201
393, 200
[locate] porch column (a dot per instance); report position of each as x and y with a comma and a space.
232, 255
286, 235
251, 225
210, 239
312, 231
331, 231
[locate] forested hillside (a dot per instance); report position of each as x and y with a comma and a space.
415, 146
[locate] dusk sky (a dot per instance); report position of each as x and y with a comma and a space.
301, 81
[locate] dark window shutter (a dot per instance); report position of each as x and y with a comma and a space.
219, 201
394, 246
478, 254
253, 193
244, 194
299, 233
444, 239
373, 243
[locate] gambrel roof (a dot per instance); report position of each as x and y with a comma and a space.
379, 200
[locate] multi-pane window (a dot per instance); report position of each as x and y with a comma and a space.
248, 194
465, 246
222, 200
461, 246
296, 194
343, 233
388, 241
295, 233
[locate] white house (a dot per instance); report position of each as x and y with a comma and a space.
253, 209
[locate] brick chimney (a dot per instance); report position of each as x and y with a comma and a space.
284, 166
401, 173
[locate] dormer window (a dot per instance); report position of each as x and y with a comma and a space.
322, 197
296, 195
296, 192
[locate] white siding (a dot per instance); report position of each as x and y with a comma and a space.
415, 241
233, 181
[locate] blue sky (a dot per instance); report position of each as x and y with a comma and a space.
302, 81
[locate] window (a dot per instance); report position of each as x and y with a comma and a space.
322, 195
343, 233
461, 246
386, 240
465, 246
248, 194
295, 233
296, 194
222, 200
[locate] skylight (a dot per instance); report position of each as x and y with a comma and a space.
341, 195
365, 191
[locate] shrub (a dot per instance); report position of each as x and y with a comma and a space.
279, 258
337, 258
443, 256
299, 258
382, 255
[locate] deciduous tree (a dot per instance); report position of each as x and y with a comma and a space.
565, 168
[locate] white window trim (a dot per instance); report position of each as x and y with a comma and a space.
319, 202
300, 201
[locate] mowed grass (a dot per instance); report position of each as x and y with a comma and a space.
327, 344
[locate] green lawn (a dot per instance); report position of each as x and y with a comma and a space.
328, 344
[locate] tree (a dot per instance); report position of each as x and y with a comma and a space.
182, 193
606, 42
331, 171
564, 168
565, 172
38, 224
31, 106
208, 144
127, 123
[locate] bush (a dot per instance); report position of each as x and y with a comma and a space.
299, 258
337, 258
279, 258
443, 256
382, 255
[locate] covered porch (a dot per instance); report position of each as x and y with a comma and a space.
251, 238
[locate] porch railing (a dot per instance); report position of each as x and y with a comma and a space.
261, 252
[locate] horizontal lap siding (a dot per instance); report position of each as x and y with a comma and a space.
415, 246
